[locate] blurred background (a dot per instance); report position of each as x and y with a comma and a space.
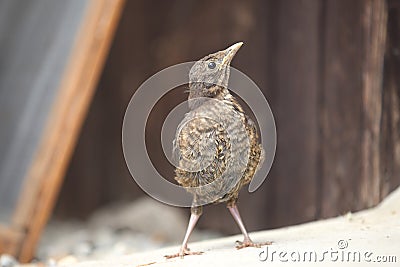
329, 69
308, 57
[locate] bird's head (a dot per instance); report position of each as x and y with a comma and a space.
211, 72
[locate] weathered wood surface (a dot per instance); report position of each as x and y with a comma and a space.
390, 126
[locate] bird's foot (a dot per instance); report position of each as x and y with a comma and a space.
182, 253
248, 243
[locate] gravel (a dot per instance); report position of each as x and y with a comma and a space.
117, 230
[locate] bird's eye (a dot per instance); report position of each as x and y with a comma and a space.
212, 65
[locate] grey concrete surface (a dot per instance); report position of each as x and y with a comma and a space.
366, 238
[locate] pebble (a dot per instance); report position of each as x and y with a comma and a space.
114, 231
83, 249
7, 261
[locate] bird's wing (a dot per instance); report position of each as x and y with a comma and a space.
195, 143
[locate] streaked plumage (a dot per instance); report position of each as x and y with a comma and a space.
204, 142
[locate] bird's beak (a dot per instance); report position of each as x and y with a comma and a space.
230, 52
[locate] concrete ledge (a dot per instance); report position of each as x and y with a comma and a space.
367, 237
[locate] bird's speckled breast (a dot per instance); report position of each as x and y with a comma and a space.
218, 150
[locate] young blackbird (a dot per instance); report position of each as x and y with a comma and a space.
216, 145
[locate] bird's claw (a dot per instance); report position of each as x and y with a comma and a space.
248, 243
182, 253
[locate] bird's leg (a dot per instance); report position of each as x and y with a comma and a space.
194, 217
247, 242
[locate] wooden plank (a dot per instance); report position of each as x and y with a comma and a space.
352, 105
94, 167
374, 28
390, 129
45, 175
341, 105
294, 81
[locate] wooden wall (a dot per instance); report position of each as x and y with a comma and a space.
328, 68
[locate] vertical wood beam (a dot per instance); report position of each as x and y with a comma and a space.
374, 28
